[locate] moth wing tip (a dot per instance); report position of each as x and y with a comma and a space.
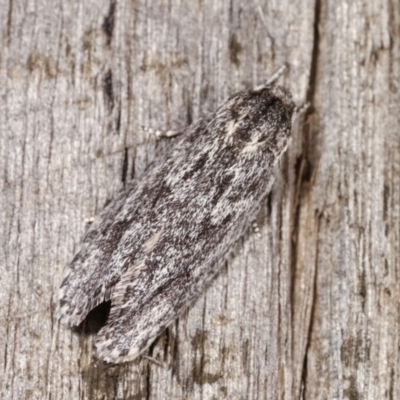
112, 352
68, 314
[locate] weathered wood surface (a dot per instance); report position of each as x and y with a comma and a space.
309, 310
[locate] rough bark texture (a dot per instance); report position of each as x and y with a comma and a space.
309, 310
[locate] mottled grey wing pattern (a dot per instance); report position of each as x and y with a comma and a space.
81, 290
97, 267
160, 242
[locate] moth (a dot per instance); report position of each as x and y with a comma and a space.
156, 246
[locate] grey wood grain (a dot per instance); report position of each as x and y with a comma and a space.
309, 310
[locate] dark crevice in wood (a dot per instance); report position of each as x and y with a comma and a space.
118, 123
133, 169
202, 350
148, 380
303, 170
108, 23
125, 166
311, 324
166, 341
315, 53
9, 21
108, 89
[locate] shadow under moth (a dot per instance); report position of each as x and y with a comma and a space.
155, 247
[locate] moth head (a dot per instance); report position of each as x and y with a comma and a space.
259, 118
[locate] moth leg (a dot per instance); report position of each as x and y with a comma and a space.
200, 124
271, 81
89, 220
256, 229
167, 133
153, 360
299, 110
